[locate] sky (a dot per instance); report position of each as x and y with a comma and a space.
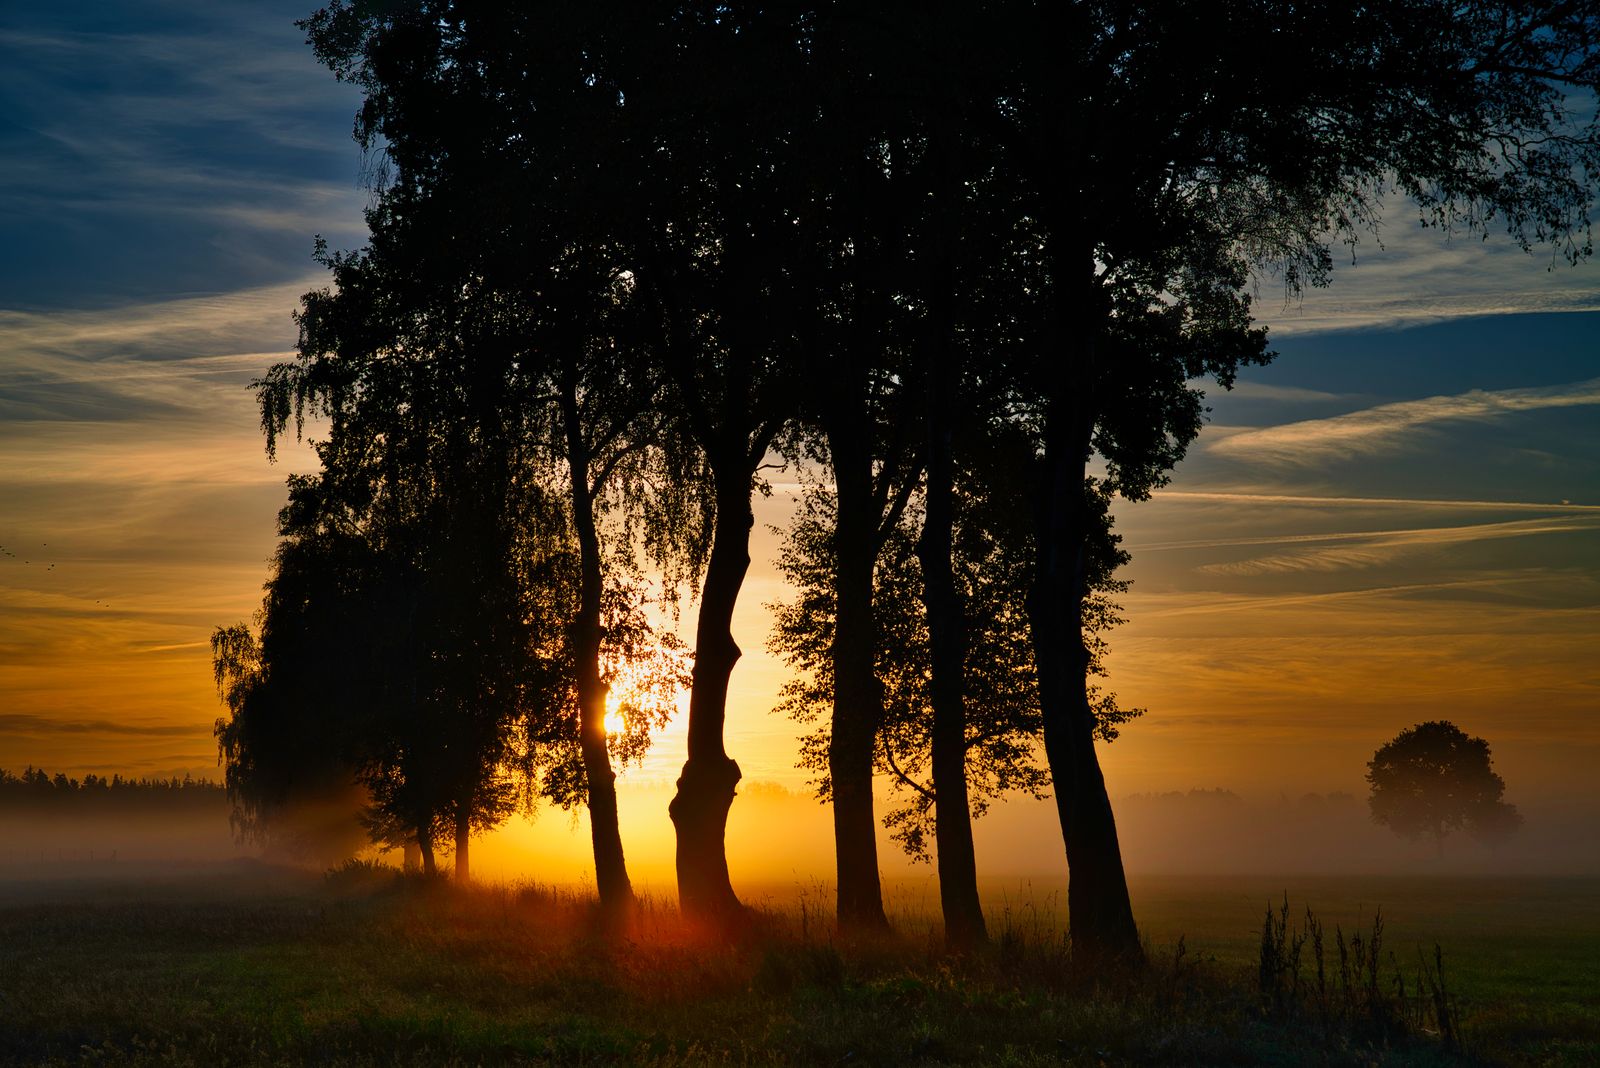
1397, 520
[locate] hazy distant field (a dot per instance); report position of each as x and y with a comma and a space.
252, 964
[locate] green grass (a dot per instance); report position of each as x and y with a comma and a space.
1521, 955
370, 969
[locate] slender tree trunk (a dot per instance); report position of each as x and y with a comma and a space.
1100, 914
707, 785
610, 867
958, 866
857, 696
957, 861
425, 844
463, 841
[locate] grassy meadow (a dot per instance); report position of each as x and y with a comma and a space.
246, 964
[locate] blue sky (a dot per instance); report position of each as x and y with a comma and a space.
161, 150
1300, 591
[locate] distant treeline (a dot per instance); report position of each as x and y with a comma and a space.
36, 789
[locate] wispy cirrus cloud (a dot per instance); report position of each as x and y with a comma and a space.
1413, 276
1351, 550
1453, 504
1581, 521
83, 375
1251, 389
23, 723
202, 325
149, 151
1376, 430
1379, 312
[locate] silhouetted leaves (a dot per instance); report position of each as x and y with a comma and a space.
1433, 779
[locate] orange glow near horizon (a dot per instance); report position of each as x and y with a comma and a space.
1295, 600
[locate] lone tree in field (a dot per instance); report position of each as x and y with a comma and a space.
1434, 779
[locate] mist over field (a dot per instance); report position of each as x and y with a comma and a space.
780, 841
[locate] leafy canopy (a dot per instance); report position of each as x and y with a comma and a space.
1433, 779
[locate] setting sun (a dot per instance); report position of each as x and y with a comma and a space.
614, 721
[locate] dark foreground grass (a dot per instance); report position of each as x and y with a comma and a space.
1521, 954
370, 968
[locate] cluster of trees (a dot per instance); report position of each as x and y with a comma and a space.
967, 265
36, 789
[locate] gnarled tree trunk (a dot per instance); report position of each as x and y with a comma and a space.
709, 779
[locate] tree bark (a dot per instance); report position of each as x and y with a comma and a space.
425, 843
1100, 914
957, 861
857, 696
463, 841
610, 867
707, 785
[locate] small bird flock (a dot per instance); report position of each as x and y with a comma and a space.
6, 552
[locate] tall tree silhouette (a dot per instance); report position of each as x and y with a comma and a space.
494, 203
1071, 238
992, 562
1151, 204
721, 222
860, 417
431, 619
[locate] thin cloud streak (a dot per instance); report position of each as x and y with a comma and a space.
21, 723
1414, 276
1376, 430
1523, 526
1376, 549
1250, 389
199, 325
1248, 497
1197, 603
1379, 313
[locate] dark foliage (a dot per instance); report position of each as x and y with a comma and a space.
1433, 779
987, 252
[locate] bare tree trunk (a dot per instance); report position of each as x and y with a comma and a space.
1100, 913
425, 844
957, 861
709, 780
958, 865
610, 867
857, 696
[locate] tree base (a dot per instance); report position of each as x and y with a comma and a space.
699, 811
